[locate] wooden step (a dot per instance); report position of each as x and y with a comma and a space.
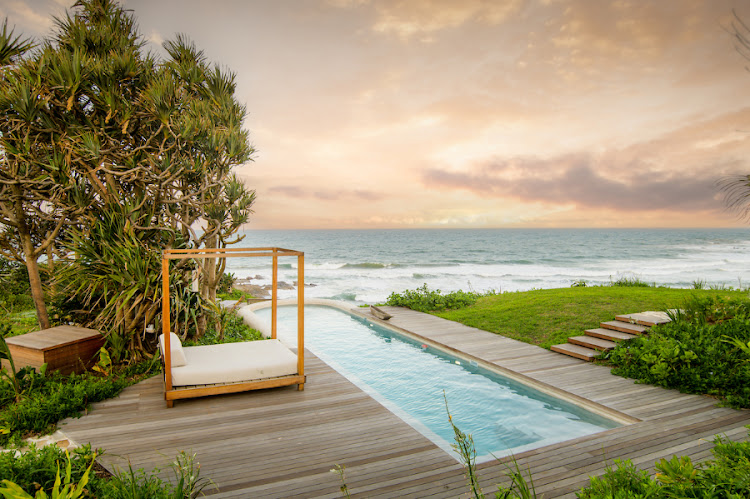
610, 334
649, 319
624, 327
576, 351
592, 342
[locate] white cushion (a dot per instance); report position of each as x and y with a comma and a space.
177, 357
234, 362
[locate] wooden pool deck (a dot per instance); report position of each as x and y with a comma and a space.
283, 443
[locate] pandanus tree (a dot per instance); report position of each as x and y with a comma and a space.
211, 125
38, 195
135, 153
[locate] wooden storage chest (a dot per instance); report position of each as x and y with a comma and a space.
64, 348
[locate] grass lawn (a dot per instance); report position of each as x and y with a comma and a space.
547, 317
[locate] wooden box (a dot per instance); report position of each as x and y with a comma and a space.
64, 348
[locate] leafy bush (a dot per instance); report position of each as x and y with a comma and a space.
624, 481
46, 399
695, 353
36, 470
631, 282
229, 329
225, 283
727, 475
425, 300
54, 397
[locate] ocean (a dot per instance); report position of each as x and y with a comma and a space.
366, 266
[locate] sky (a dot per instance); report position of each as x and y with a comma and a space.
472, 113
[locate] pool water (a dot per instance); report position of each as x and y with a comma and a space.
410, 378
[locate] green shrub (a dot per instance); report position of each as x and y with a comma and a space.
695, 353
425, 300
230, 329
54, 398
624, 481
46, 399
727, 475
36, 470
225, 283
630, 282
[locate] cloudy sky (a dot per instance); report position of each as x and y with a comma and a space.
473, 113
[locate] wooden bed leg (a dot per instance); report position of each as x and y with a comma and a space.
170, 404
300, 387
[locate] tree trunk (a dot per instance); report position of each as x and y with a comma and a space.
211, 263
35, 281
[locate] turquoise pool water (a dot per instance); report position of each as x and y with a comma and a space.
410, 378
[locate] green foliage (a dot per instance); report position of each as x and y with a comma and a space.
426, 300
16, 304
36, 470
55, 397
464, 445
234, 294
632, 282
624, 481
692, 353
46, 399
521, 486
123, 156
225, 283
115, 276
712, 309
229, 329
726, 475
61, 489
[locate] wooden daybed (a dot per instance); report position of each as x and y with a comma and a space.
232, 367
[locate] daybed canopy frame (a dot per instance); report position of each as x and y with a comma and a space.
172, 393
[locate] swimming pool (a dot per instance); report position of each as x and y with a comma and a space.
410, 378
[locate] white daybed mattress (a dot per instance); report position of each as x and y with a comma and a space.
234, 362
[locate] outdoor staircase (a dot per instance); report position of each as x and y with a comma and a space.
605, 337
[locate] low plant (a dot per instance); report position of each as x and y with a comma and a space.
37, 469
726, 475
16, 379
226, 282
630, 282
37, 472
424, 299
339, 470
700, 351
60, 490
464, 446
54, 398
234, 294
229, 329
48, 398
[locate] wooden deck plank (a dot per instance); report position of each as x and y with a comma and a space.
283, 443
